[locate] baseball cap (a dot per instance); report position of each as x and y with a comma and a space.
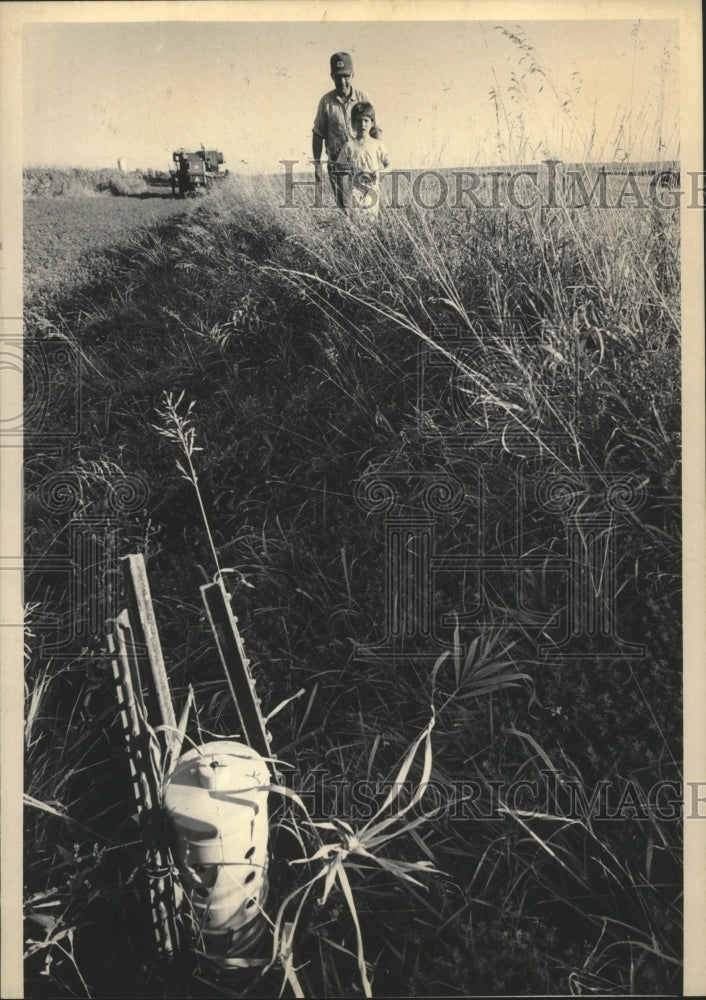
341, 62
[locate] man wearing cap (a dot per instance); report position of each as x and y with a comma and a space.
332, 124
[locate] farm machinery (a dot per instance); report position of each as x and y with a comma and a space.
195, 171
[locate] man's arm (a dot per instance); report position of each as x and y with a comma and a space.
317, 144
317, 139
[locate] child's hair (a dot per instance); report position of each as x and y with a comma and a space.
363, 109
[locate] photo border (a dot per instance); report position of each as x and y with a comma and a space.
12, 18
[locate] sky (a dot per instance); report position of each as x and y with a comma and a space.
446, 93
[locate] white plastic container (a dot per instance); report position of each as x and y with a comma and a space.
216, 807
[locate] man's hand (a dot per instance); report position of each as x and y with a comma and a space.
317, 171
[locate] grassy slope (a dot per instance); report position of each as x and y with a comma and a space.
297, 339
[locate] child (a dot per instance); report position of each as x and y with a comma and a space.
362, 159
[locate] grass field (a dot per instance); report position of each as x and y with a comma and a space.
549, 341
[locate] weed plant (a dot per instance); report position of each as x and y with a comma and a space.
295, 339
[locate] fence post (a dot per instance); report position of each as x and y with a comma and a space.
236, 666
146, 636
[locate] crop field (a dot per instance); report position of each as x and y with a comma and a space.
436, 461
68, 238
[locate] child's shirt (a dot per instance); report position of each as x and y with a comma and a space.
363, 160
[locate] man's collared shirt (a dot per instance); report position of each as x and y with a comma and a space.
333, 120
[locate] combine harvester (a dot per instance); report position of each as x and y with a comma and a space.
195, 172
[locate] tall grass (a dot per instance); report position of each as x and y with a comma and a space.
296, 336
